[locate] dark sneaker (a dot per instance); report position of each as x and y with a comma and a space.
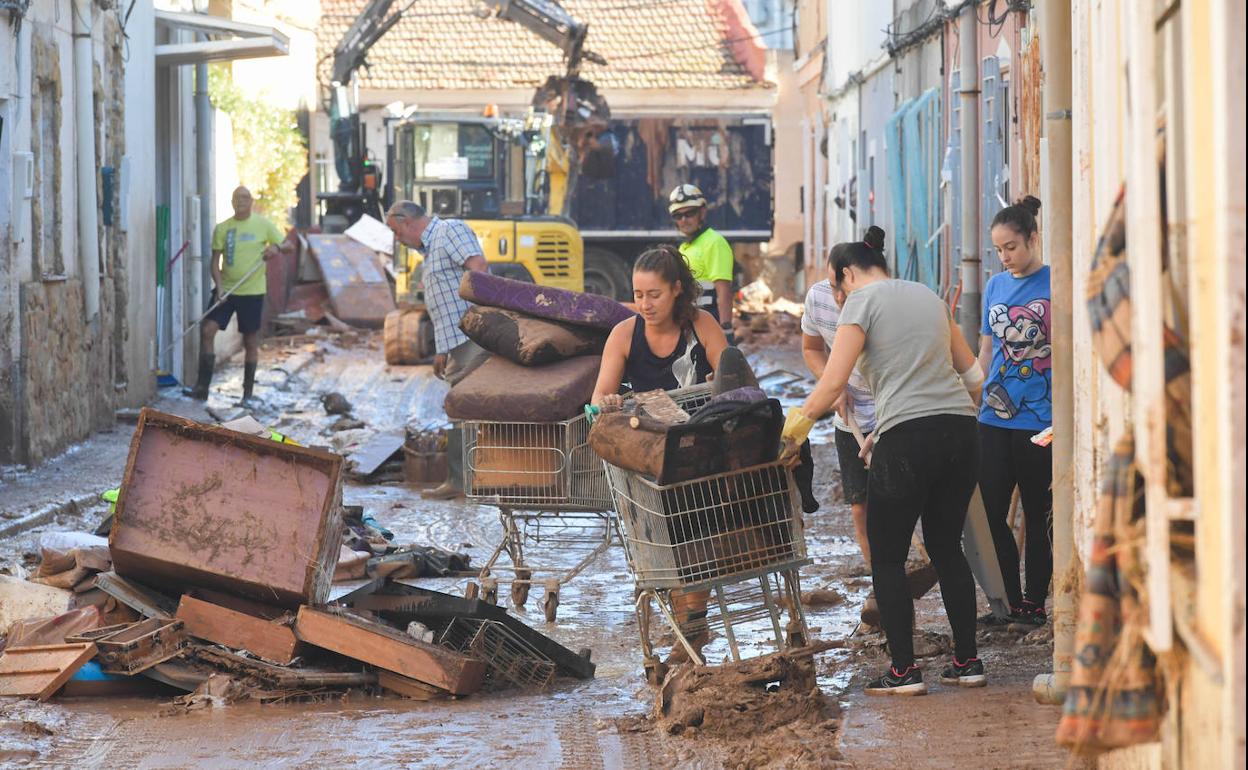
969, 673
993, 620
908, 682
1028, 617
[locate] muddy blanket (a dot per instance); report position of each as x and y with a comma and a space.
500, 391
542, 301
527, 340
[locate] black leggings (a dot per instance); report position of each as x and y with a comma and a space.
1009, 459
922, 469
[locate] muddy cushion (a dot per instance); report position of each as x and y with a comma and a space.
542, 301
502, 391
527, 340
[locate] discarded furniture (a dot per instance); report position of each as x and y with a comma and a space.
385, 647
526, 340
202, 506
38, 672
359, 290
269, 639
139, 646
542, 301
501, 390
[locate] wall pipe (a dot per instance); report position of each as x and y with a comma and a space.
1056, 52
84, 134
968, 93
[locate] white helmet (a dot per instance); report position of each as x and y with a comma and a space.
685, 196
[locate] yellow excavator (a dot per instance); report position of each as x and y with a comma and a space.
507, 178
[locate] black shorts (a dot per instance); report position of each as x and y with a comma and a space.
853, 470
249, 309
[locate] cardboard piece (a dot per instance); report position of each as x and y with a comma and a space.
388, 648
981, 554
38, 672
270, 640
374, 452
202, 506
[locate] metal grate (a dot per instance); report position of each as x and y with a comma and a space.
509, 659
548, 465
736, 523
554, 255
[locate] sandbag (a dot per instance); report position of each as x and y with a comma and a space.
527, 340
591, 310
501, 391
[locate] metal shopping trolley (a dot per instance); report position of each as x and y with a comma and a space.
550, 490
735, 538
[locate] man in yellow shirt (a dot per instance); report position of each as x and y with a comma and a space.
240, 247
707, 252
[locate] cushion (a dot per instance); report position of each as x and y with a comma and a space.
527, 340
542, 301
502, 391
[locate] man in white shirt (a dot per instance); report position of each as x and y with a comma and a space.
819, 321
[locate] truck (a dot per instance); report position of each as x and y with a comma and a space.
496, 172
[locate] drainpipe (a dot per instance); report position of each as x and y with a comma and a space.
1055, 49
204, 181
84, 134
968, 93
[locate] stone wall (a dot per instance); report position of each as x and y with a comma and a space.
66, 367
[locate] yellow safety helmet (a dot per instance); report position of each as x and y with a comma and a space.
685, 196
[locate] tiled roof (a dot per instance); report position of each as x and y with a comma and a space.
444, 44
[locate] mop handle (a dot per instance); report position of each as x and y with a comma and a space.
215, 305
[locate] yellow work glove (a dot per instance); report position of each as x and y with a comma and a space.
796, 428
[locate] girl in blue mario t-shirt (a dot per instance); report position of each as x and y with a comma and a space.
1016, 353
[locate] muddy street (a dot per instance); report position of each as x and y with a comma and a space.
604, 722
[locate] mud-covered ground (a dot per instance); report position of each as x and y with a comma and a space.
602, 723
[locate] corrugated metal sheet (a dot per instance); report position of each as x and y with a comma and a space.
914, 133
994, 178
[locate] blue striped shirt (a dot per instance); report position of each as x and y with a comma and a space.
447, 244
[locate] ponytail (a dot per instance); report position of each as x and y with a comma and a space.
669, 264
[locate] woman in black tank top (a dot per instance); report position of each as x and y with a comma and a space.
670, 343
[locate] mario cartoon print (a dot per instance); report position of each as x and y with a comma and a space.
1022, 381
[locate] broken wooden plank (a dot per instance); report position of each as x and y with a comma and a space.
408, 688
141, 645
266, 638
400, 601
202, 506
38, 672
281, 677
136, 596
239, 604
388, 648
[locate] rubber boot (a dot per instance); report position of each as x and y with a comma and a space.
200, 391
453, 487
249, 382
733, 372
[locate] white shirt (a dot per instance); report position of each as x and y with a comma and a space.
820, 320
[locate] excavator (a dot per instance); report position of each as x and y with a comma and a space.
507, 178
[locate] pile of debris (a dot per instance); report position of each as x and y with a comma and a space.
218, 580
764, 320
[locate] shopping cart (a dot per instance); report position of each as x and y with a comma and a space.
551, 491
735, 538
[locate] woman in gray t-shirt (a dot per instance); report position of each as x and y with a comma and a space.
924, 454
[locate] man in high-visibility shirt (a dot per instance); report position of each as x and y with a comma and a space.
240, 246
707, 252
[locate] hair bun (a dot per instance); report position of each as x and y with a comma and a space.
875, 237
1030, 204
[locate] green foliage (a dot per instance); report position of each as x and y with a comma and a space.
272, 155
